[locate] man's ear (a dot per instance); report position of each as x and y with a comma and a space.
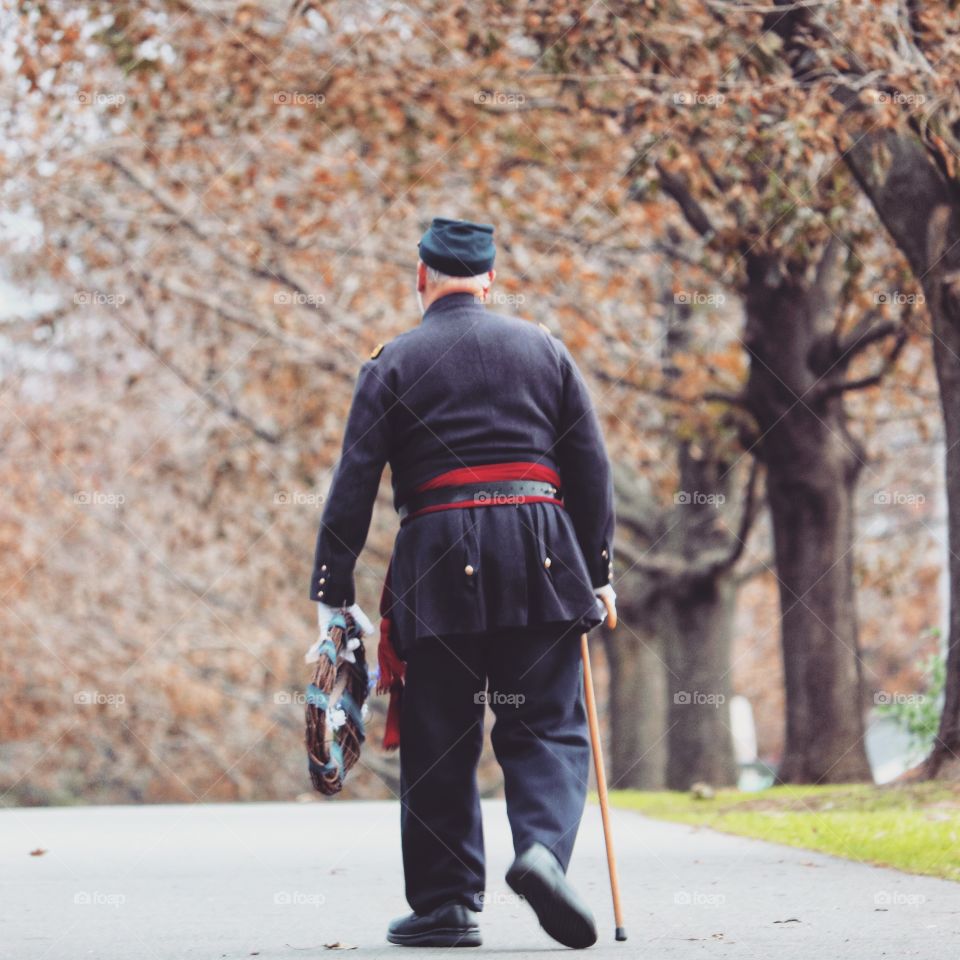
486, 287
421, 276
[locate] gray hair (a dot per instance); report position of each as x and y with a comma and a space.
435, 276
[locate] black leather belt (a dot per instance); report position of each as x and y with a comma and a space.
502, 492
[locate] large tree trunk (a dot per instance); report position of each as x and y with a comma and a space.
944, 760
812, 465
941, 281
811, 508
697, 633
910, 180
920, 209
696, 622
670, 672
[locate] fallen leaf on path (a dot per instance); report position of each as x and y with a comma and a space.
337, 945
39, 852
788, 920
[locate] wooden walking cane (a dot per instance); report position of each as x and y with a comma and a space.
592, 719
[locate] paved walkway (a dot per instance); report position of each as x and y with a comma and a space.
280, 881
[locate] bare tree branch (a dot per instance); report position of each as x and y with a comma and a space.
834, 389
694, 214
865, 333
272, 274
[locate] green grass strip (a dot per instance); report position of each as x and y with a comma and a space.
913, 827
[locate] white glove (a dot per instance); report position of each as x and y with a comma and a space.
324, 616
607, 603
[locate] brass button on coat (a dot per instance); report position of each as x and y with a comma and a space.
468, 570
546, 562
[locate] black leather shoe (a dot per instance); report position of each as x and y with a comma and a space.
449, 925
537, 876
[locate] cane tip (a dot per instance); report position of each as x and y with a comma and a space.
621, 933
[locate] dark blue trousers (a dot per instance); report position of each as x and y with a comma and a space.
532, 678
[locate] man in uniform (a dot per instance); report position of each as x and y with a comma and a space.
503, 557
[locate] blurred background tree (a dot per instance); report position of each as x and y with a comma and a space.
210, 218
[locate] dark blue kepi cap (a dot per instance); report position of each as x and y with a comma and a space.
458, 248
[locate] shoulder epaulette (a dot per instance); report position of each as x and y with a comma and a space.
546, 329
376, 351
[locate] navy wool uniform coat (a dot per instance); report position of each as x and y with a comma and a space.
469, 387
